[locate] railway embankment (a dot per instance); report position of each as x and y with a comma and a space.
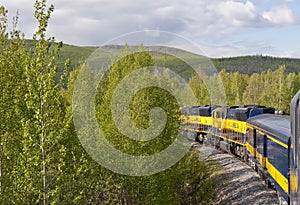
236, 182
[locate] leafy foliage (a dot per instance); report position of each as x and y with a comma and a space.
270, 88
12, 107
166, 187
41, 159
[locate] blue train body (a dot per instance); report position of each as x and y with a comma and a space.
294, 151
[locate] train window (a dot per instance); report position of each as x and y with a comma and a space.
241, 116
250, 136
260, 143
218, 115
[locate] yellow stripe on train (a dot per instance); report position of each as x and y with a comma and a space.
278, 142
251, 149
261, 159
293, 182
277, 176
230, 140
235, 125
204, 120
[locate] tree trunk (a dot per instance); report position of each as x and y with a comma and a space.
43, 148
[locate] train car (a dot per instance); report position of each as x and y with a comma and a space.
197, 120
250, 132
294, 150
229, 126
219, 135
270, 136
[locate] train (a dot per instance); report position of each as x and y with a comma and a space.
266, 139
294, 171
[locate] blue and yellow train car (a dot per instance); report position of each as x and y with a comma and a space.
250, 132
295, 151
229, 127
197, 120
268, 137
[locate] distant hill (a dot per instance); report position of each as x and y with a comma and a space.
76, 54
256, 64
243, 64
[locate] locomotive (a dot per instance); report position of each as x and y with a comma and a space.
264, 138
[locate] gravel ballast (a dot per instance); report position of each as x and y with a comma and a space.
240, 184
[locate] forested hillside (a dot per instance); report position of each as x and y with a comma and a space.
243, 64
256, 64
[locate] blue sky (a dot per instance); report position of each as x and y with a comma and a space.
221, 28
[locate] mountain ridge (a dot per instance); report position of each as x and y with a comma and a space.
242, 64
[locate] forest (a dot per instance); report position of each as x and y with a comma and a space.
270, 88
42, 160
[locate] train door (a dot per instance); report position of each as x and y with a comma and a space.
251, 144
219, 119
261, 148
217, 126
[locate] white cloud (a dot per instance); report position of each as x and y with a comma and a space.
279, 15
236, 13
93, 22
108, 19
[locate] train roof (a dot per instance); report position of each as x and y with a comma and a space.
279, 125
201, 110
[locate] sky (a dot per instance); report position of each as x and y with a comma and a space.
220, 28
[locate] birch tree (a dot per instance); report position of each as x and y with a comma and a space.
45, 124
